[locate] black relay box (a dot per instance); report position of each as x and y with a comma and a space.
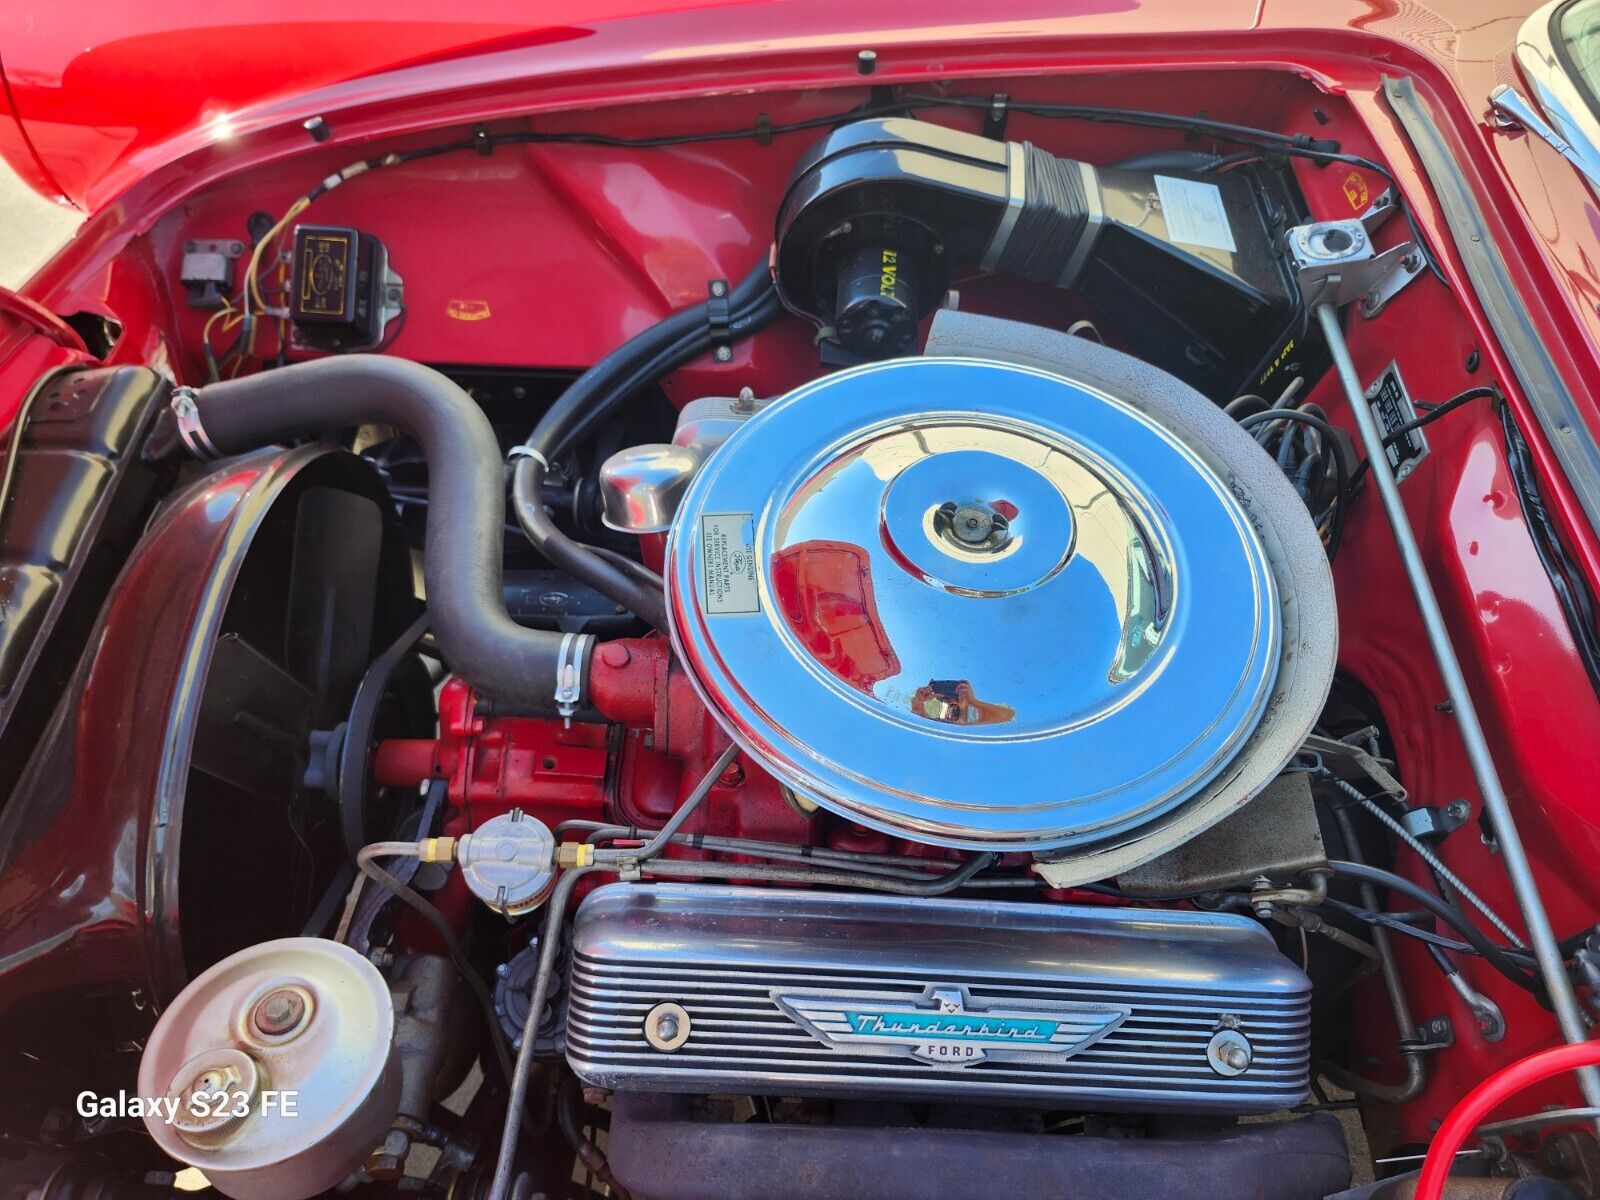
335, 300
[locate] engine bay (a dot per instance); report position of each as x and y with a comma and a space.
943, 702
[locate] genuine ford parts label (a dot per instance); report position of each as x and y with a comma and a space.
728, 563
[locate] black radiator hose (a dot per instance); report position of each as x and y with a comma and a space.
637, 363
466, 497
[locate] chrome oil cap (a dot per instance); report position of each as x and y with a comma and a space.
973, 604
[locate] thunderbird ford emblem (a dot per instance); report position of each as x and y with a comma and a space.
945, 1027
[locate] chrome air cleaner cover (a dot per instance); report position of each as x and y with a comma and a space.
974, 604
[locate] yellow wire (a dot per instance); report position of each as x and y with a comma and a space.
254, 285
225, 310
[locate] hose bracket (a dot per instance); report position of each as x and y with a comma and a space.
719, 316
190, 429
570, 660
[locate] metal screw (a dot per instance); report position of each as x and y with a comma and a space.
723, 353
666, 1027
1458, 810
277, 1013
867, 61
719, 287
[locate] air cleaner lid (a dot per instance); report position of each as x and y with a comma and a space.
973, 604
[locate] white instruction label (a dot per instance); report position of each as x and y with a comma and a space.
728, 563
1194, 213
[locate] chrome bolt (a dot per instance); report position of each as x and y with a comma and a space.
1229, 1052
666, 1027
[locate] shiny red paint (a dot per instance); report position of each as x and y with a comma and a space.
824, 590
88, 894
570, 249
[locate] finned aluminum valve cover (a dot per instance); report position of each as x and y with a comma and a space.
701, 989
975, 604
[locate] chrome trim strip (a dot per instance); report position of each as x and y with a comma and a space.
1548, 395
1091, 231
1016, 194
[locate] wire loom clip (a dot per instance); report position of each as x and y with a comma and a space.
720, 319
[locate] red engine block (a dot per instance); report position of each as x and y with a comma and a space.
636, 772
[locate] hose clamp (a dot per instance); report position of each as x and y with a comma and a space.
517, 452
190, 429
574, 652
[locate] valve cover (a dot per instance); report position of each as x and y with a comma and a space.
974, 604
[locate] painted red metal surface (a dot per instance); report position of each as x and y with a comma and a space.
88, 892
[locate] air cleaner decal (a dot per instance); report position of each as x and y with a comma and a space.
728, 564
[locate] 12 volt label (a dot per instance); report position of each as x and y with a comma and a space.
1391, 405
1194, 213
728, 563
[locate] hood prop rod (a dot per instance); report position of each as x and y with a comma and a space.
1512, 853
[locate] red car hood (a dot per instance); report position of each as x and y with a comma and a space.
102, 92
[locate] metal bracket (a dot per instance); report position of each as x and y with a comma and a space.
1430, 823
720, 318
1336, 262
1433, 1035
1349, 762
996, 116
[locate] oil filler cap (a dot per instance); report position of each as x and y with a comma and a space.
974, 604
